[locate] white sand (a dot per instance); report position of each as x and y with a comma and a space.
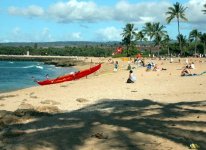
168, 113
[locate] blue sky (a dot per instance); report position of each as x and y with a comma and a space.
89, 20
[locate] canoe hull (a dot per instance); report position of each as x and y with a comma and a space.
71, 77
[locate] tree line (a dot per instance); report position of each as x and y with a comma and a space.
87, 50
156, 35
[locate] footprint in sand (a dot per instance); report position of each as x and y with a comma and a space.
50, 102
81, 100
31, 95
134, 91
1, 105
63, 86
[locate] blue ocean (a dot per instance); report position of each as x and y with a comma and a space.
16, 75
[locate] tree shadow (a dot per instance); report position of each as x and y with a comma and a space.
129, 124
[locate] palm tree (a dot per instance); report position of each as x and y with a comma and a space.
195, 36
205, 9
158, 33
166, 41
128, 36
183, 39
148, 30
203, 40
177, 11
140, 36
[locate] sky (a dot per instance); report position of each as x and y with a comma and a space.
90, 20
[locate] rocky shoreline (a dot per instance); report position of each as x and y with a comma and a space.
59, 61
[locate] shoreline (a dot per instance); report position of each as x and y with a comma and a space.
59, 61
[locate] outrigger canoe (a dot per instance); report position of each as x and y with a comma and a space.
70, 77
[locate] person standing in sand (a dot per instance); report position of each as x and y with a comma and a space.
131, 78
116, 65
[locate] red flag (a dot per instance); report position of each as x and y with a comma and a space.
118, 50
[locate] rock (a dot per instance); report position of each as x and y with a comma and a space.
8, 119
81, 100
26, 106
29, 113
100, 136
48, 109
52, 102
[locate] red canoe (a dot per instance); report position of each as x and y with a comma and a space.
70, 77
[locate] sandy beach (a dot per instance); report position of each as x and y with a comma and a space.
160, 111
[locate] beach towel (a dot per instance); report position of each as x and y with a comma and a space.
192, 75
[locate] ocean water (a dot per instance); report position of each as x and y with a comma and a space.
16, 75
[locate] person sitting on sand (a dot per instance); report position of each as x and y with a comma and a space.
142, 62
185, 72
110, 61
131, 78
156, 68
192, 65
149, 67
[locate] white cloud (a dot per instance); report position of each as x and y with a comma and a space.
108, 34
140, 12
76, 36
73, 10
30, 11
19, 35
73, 36
45, 35
194, 11
123, 11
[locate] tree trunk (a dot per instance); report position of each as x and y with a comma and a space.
168, 50
150, 49
180, 44
204, 48
195, 47
159, 50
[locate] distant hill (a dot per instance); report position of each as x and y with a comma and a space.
59, 43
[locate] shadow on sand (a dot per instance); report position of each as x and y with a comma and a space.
125, 124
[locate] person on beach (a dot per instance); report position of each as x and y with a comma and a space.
129, 67
171, 60
131, 78
47, 76
192, 65
185, 72
156, 68
116, 66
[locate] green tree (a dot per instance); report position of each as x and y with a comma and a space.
177, 11
195, 36
165, 42
204, 9
203, 40
159, 33
128, 36
183, 39
148, 30
140, 36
